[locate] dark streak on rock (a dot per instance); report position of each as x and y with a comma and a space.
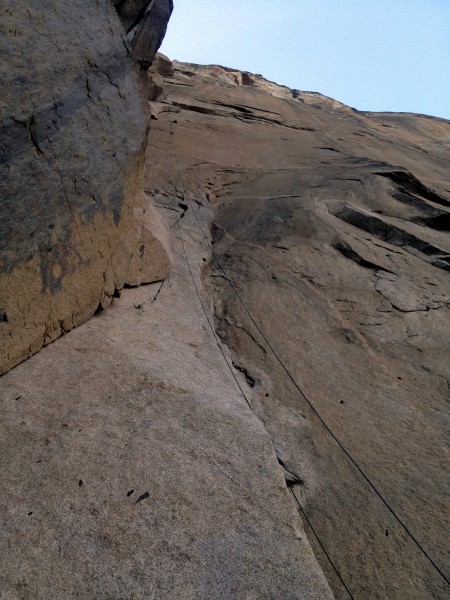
413, 185
347, 251
143, 497
394, 235
292, 479
248, 378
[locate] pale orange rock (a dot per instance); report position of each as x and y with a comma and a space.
332, 224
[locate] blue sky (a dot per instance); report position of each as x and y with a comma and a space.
381, 55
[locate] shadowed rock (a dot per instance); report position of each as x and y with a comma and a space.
74, 224
145, 22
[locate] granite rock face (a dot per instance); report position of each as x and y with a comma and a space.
74, 224
332, 226
133, 466
133, 469
166, 448
145, 23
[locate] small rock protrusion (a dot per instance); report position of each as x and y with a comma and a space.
292, 479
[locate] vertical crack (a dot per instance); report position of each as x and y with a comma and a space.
33, 137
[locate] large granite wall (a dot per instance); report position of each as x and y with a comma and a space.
74, 223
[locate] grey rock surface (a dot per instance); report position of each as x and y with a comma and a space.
74, 225
145, 22
133, 468
332, 225
131, 12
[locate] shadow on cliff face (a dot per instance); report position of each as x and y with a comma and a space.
74, 127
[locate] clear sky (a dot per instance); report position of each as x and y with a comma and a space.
380, 55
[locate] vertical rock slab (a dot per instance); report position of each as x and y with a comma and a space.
145, 22
74, 223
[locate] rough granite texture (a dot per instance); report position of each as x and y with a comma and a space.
145, 23
332, 224
132, 467
74, 225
